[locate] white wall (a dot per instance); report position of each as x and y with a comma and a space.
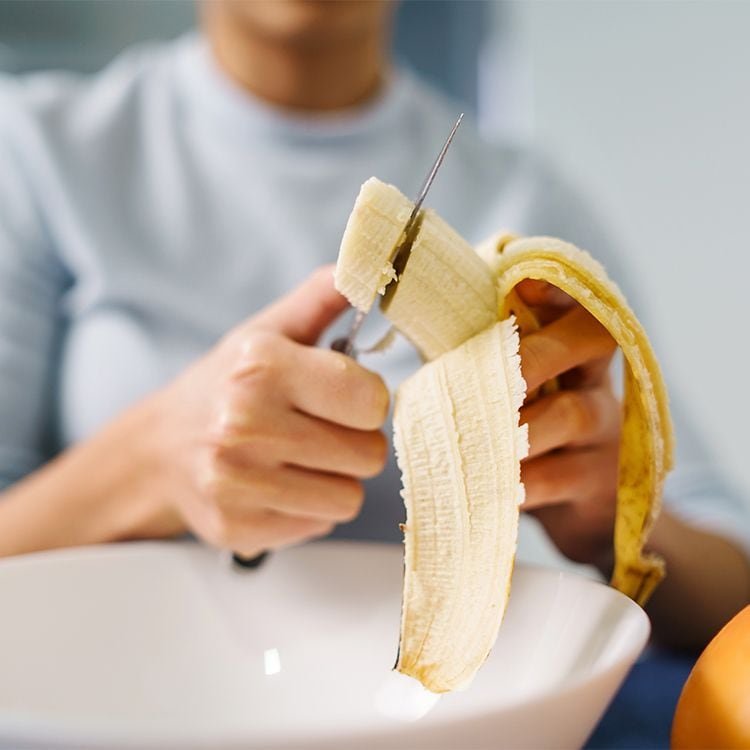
648, 104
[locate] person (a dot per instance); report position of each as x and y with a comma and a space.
158, 377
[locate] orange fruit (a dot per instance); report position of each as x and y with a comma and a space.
713, 712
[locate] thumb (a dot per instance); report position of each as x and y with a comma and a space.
304, 313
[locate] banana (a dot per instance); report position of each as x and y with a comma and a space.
456, 420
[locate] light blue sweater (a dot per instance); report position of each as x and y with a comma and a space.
146, 210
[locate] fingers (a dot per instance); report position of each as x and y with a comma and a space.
324, 384
540, 293
575, 475
573, 495
296, 439
571, 418
571, 341
304, 313
333, 387
238, 495
264, 530
583, 533
276, 360
591, 375
312, 443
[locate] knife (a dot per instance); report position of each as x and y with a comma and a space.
345, 344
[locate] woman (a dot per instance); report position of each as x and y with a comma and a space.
154, 381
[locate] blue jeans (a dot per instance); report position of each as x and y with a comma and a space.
640, 716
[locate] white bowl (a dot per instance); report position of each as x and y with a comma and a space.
160, 645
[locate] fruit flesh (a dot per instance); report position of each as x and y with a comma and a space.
462, 489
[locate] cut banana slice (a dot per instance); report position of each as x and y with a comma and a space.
373, 233
456, 427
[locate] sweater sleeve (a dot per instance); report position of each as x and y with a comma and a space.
32, 282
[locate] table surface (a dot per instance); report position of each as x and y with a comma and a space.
640, 716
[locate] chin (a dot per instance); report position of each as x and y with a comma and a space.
310, 21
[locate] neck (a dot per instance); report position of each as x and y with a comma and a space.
315, 77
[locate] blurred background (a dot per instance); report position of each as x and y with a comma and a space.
646, 104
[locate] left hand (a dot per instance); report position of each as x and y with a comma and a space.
574, 434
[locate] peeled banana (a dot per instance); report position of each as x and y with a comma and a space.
456, 420
459, 446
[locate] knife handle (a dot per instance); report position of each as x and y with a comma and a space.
249, 563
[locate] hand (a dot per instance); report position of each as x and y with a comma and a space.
265, 439
571, 472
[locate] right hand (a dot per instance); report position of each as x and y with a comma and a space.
266, 437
